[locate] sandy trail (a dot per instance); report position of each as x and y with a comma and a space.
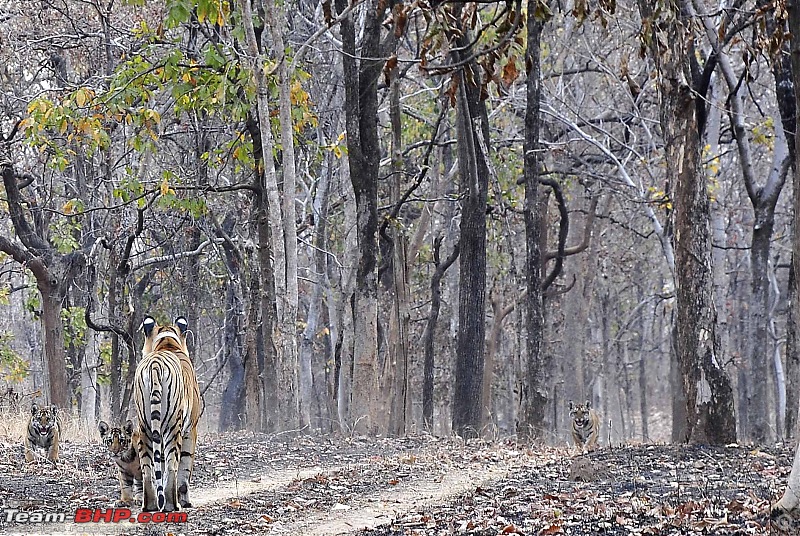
371, 511
365, 509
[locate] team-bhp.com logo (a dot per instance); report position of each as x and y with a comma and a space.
96, 515
118, 515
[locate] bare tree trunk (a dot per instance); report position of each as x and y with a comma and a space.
472, 139
254, 411
233, 395
709, 397
791, 497
397, 365
793, 345
286, 252
429, 334
308, 385
52, 272
533, 384
343, 340
90, 410
500, 313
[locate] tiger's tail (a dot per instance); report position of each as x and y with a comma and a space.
155, 427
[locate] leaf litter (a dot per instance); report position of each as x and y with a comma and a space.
423, 486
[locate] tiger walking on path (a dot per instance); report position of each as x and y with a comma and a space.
585, 425
167, 401
44, 432
122, 443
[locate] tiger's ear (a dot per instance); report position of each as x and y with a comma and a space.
103, 427
571, 406
182, 324
54, 409
128, 428
34, 408
588, 404
147, 325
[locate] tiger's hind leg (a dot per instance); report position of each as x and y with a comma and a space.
186, 467
138, 490
171, 503
150, 498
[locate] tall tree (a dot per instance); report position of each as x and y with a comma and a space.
362, 69
790, 500
763, 196
473, 145
53, 272
709, 396
533, 391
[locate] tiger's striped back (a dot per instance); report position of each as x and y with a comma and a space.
167, 403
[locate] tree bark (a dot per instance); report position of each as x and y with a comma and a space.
791, 497
288, 402
52, 272
709, 397
429, 335
233, 395
533, 389
472, 141
793, 345
363, 148
397, 365
308, 342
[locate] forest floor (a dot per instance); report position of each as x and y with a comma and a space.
246, 483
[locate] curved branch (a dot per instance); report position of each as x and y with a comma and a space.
176, 256
587, 234
124, 267
35, 243
91, 276
563, 231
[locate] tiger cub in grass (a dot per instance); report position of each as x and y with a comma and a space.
44, 432
585, 425
121, 443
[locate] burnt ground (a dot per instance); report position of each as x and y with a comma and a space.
254, 484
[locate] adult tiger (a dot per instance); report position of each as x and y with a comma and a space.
168, 405
44, 431
585, 425
122, 443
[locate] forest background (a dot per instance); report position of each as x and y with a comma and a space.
469, 213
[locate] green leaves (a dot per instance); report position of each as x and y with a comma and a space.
59, 125
13, 368
74, 321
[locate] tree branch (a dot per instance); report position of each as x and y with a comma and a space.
563, 231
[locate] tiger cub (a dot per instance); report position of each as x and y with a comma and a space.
585, 425
44, 431
121, 443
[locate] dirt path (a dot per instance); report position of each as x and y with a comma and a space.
268, 482
377, 509
251, 485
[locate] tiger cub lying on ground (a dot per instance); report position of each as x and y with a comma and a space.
585, 425
121, 443
44, 431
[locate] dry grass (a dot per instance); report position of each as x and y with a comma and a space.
14, 423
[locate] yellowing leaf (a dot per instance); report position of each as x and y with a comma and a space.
164, 186
510, 72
